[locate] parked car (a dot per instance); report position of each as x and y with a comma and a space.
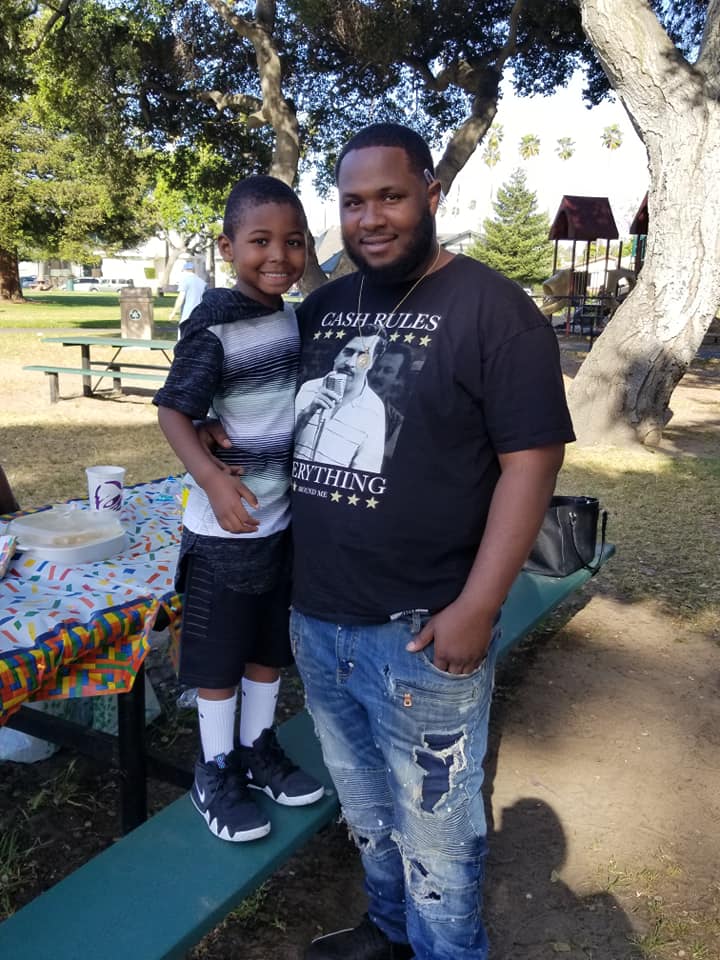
27, 281
100, 284
42, 284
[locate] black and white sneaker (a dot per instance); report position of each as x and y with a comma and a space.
364, 942
221, 797
269, 769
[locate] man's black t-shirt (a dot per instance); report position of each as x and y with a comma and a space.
380, 528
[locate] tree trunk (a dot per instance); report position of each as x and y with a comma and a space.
313, 276
464, 140
172, 254
622, 392
9, 276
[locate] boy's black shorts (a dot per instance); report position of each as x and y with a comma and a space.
226, 622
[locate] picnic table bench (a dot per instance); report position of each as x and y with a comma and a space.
160, 889
117, 368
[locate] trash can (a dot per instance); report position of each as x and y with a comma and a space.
136, 313
69, 284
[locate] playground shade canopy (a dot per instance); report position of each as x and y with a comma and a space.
584, 218
639, 226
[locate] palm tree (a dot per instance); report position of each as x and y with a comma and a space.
491, 156
491, 153
495, 135
529, 146
565, 148
612, 137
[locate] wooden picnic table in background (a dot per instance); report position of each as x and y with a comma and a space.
117, 367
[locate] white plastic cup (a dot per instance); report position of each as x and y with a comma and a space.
105, 488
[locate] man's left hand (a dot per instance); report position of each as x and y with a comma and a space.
461, 635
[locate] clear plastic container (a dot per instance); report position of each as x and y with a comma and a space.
66, 534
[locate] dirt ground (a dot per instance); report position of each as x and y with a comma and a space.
602, 788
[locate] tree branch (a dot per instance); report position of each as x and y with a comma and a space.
243, 26
60, 13
465, 139
646, 69
243, 103
274, 108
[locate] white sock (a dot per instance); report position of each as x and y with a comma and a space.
217, 725
257, 711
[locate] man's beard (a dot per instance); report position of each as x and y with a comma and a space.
406, 266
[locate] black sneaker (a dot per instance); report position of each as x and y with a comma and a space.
269, 769
364, 942
221, 797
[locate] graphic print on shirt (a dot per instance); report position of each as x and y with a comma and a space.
357, 374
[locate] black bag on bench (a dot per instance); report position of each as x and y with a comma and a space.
568, 537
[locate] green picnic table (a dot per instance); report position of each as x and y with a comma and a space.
117, 367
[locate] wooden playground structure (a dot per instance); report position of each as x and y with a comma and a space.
587, 293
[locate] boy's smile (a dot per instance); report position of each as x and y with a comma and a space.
267, 250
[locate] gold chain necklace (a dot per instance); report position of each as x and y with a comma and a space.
364, 358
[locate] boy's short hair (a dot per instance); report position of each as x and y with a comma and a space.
255, 192
391, 135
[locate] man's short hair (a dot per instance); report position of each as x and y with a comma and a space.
391, 135
255, 192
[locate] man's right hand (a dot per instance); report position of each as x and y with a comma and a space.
226, 494
211, 436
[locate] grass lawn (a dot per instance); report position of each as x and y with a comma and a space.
64, 310
613, 711
85, 311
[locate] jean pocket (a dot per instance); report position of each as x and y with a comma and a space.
427, 656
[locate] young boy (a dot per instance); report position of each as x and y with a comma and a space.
238, 354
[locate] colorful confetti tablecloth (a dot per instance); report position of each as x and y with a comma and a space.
82, 630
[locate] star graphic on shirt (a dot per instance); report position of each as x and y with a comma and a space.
394, 337
328, 334
372, 503
335, 497
317, 335
339, 334
353, 500
424, 341
294, 487
409, 337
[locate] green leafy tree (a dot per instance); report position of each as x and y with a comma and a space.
515, 241
62, 197
186, 201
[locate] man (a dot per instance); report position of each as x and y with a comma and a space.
190, 292
399, 577
388, 378
339, 419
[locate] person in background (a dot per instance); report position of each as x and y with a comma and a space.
238, 354
190, 292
